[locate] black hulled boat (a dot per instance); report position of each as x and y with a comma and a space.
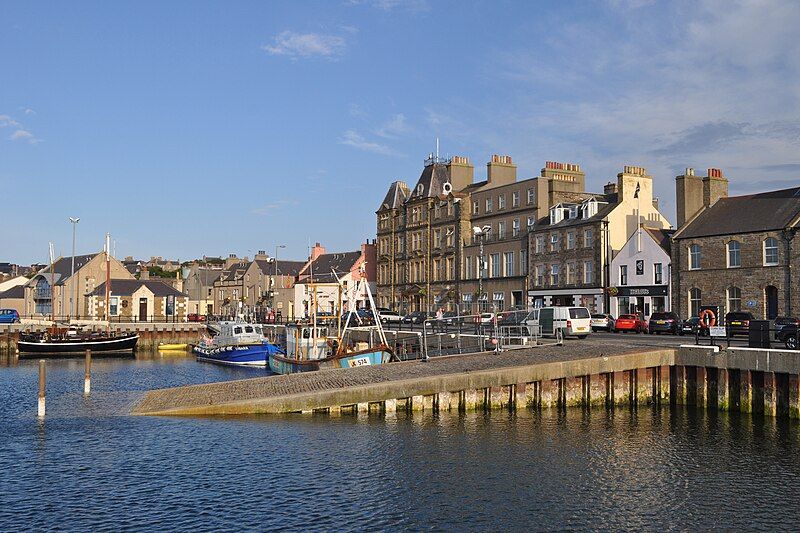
65, 342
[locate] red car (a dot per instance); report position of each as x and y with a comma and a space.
194, 317
626, 323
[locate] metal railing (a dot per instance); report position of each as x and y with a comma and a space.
763, 338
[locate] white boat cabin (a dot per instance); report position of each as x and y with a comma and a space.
304, 341
235, 333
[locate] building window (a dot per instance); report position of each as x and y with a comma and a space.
588, 238
531, 196
770, 251
501, 230
623, 274
475, 207
499, 299
531, 222
450, 235
734, 299
523, 262
509, 261
540, 275
437, 210
495, 258
515, 228
570, 240
489, 205
113, 308
501, 201
468, 267
658, 273
569, 274
539, 248
515, 199
694, 302
437, 238
734, 254
554, 275
694, 257
554, 242
588, 272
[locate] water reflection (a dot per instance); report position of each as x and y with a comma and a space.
90, 465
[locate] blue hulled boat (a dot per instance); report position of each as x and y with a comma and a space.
236, 343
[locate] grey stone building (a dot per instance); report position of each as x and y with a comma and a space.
737, 253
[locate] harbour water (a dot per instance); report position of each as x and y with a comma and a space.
90, 466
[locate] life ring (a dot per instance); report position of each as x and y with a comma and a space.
707, 318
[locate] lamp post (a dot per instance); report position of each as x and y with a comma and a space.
481, 232
275, 278
73, 297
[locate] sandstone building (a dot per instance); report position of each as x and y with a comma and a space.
737, 253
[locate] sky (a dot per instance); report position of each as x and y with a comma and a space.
206, 128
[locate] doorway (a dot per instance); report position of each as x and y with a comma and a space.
143, 309
771, 293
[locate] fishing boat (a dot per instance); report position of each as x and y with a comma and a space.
66, 341
310, 347
236, 343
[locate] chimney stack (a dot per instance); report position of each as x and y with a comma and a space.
688, 195
462, 173
500, 171
610, 188
715, 186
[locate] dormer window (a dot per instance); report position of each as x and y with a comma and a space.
420, 189
556, 214
573, 211
589, 208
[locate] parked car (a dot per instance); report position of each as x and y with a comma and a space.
388, 315
9, 316
632, 322
574, 321
690, 326
451, 318
664, 323
513, 318
602, 321
484, 319
788, 336
738, 322
783, 321
417, 317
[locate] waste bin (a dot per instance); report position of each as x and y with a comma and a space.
758, 334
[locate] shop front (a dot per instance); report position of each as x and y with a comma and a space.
647, 300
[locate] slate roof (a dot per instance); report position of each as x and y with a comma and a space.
662, 237
752, 213
396, 196
62, 268
233, 272
208, 276
324, 266
430, 182
14, 292
126, 287
285, 268
603, 209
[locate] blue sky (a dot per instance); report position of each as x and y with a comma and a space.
191, 128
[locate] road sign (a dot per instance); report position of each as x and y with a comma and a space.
717, 331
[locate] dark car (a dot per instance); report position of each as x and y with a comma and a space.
783, 321
451, 318
788, 336
417, 317
664, 323
513, 318
738, 322
690, 326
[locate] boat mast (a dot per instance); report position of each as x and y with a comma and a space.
108, 285
52, 285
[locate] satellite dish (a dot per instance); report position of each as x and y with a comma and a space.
447, 188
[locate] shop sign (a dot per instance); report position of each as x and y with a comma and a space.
649, 290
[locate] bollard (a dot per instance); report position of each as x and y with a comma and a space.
42, 379
87, 376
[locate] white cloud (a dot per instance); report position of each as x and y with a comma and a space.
28, 111
354, 139
297, 45
20, 132
394, 127
271, 207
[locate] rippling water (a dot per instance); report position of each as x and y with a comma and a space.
90, 466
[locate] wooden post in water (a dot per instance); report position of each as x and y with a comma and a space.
87, 376
42, 383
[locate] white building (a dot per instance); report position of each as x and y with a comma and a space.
640, 274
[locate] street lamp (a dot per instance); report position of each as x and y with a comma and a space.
73, 297
482, 233
275, 279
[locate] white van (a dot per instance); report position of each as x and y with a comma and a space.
575, 321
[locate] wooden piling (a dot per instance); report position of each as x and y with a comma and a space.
87, 376
42, 387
